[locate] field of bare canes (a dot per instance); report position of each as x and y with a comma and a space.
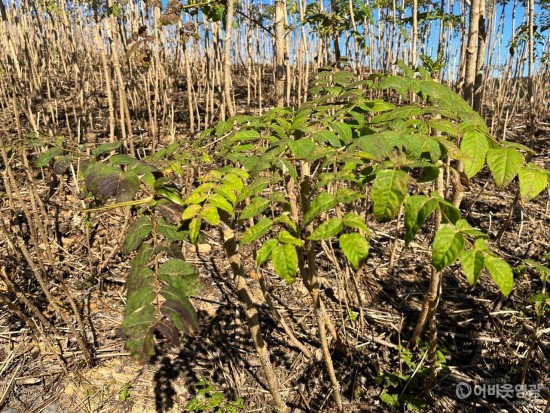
114, 117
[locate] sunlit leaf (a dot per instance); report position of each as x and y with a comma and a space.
447, 246
355, 248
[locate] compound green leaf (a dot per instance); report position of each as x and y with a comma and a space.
353, 220
257, 206
417, 209
210, 214
191, 212
45, 157
447, 246
347, 195
286, 237
181, 313
285, 261
322, 203
355, 248
343, 130
472, 263
474, 146
257, 186
265, 251
302, 148
285, 219
464, 227
256, 231
106, 147
221, 203
179, 275
136, 233
501, 273
388, 191
327, 229
504, 164
195, 229
532, 181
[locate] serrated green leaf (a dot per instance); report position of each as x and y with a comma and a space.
123, 159
228, 192
532, 181
195, 229
286, 167
451, 148
171, 232
390, 400
285, 261
223, 127
450, 213
343, 130
197, 197
355, 248
347, 195
472, 264
139, 312
257, 186
401, 112
322, 203
302, 148
221, 203
464, 227
327, 229
504, 164
265, 251
353, 220
179, 278
501, 273
210, 214
256, 231
474, 146
243, 135
171, 195
447, 246
417, 209
286, 237
235, 179
285, 219
106, 147
190, 212
445, 126
136, 233
45, 157
257, 206
388, 192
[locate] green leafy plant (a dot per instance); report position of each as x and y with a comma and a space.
209, 399
402, 389
293, 182
159, 281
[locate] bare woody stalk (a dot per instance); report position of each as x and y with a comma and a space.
309, 274
280, 12
227, 86
530, 94
239, 278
